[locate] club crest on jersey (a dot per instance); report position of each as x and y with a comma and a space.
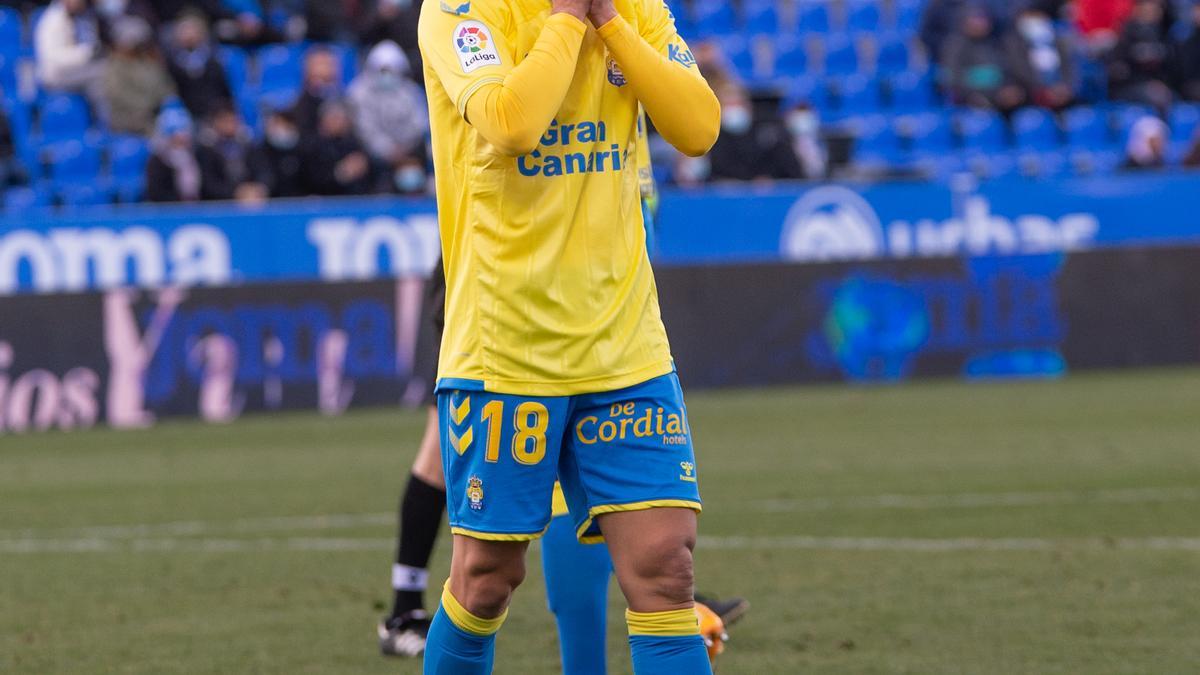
475, 46
681, 54
475, 493
615, 77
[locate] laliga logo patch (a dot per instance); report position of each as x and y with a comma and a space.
615, 77
475, 493
475, 46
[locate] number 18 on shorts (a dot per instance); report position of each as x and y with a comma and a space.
626, 450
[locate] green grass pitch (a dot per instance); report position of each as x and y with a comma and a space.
1037, 527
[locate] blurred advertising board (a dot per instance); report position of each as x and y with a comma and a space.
126, 357
365, 239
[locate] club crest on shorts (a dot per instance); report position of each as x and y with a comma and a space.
475, 493
615, 77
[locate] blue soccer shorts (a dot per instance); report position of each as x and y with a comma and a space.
626, 450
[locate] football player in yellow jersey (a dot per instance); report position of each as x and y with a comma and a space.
555, 361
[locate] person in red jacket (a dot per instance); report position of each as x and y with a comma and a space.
1100, 21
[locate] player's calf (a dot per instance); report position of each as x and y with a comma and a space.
484, 574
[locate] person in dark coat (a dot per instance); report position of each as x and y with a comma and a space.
279, 159
750, 148
178, 169
322, 83
1188, 60
1139, 68
335, 162
199, 76
394, 20
1040, 61
976, 71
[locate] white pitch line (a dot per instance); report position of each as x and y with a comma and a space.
320, 523
975, 500
764, 543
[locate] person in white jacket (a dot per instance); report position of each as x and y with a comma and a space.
67, 45
390, 116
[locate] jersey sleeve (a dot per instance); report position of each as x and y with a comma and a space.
657, 27
466, 51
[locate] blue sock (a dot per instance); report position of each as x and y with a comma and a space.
577, 586
667, 643
460, 643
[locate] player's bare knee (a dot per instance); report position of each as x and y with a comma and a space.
489, 581
666, 571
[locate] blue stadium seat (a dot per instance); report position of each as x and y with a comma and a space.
1096, 162
912, 92
939, 166
1185, 121
127, 157
859, 95
791, 57
874, 138
713, 17
906, 15
235, 63
982, 130
280, 68
12, 30
808, 90
63, 116
760, 17
1043, 164
81, 195
841, 56
892, 55
1086, 128
1035, 129
997, 164
814, 16
1125, 115
72, 162
20, 199
737, 51
930, 132
863, 15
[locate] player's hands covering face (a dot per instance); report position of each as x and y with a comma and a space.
601, 12
576, 8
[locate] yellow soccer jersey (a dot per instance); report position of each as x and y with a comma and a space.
549, 285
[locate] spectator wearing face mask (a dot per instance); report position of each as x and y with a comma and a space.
804, 127
136, 83
199, 76
336, 163
175, 172
1040, 60
322, 83
1139, 68
1147, 146
279, 160
975, 67
749, 148
394, 20
390, 116
228, 143
67, 49
1188, 59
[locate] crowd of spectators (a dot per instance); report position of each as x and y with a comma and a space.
155, 69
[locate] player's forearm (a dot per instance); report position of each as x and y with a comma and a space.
684, 108
513, 115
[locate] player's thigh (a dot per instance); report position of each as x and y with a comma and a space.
652, 556
500, 456
428, 464
629, 450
